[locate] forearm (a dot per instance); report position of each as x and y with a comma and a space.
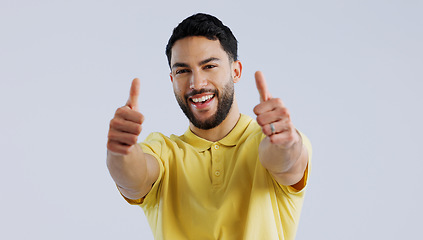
287, 165
130, 172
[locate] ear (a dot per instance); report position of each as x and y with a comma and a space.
171, 77
236, 71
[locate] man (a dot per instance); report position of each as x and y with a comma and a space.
228, 176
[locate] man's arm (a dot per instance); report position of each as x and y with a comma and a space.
281, 152
133, 171
287, 165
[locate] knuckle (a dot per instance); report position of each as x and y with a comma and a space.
114, 123
113, 148
255, 109
119, 111
138, 129
110, 135
259, 120
266, 131
133, 139
141, 118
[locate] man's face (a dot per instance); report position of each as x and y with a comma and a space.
203, 81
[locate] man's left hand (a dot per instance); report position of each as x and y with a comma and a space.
273, 117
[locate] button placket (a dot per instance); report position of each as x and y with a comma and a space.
217, 165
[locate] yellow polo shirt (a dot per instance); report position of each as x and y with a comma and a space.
218, 190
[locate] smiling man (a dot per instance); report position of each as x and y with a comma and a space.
228, 176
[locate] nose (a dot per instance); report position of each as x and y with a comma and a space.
197, 81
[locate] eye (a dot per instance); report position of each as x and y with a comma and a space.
181, 71
209, 66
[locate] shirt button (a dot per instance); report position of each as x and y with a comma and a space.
217, 173
216, 147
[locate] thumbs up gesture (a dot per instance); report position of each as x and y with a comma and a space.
273, 117
125, 126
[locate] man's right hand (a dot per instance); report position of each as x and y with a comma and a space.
133, 171
126, 125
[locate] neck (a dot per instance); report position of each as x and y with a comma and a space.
223, 129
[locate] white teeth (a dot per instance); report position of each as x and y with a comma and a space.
202, 99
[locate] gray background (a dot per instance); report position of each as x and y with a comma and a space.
349, 71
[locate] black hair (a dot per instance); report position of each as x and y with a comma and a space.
208, 26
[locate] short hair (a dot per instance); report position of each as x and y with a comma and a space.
208, 26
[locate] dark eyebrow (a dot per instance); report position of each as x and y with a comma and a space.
184, 65
209, 60
177, 65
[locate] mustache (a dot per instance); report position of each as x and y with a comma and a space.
195, 92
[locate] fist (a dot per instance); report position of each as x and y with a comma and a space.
273, 117
126, 125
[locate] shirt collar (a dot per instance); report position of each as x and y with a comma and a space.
229, 140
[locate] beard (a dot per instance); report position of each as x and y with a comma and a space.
225, 100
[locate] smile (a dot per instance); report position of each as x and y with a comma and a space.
202, 99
